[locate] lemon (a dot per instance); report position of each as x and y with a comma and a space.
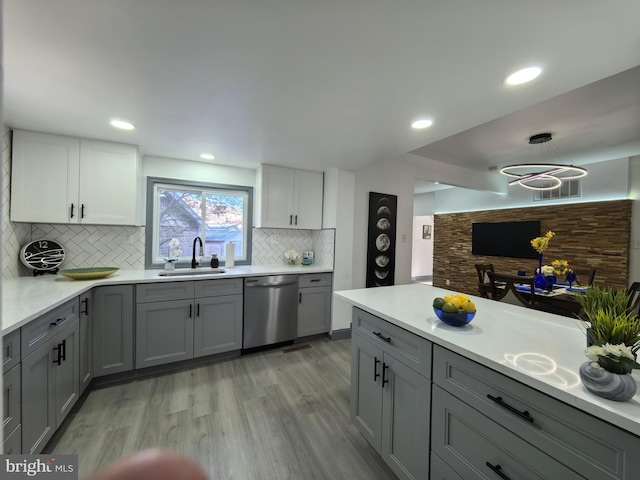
462, 297
438, 302
449, 308
449, 298
457, 301
469, 306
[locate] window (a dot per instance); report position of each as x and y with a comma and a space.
568, 189
184, 210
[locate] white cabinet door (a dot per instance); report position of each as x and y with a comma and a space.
289, 198
277, 197
44, 178
308, 200
108, 183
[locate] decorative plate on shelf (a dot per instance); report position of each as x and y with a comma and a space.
89, 273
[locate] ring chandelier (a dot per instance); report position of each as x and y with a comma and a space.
541, 176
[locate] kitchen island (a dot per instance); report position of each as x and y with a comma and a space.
534, 356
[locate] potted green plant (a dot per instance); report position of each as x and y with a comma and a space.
613, 339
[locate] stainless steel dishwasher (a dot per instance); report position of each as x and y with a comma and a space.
270, 310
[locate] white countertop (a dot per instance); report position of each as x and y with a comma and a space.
26, 298
539, 349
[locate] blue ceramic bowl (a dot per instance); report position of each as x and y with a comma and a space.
454, 319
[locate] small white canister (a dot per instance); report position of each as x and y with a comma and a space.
229, 257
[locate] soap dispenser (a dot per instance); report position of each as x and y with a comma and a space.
215, 263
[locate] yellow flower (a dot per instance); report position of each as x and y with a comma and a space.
542, 243
560, 267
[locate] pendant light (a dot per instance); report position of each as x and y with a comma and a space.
542, 175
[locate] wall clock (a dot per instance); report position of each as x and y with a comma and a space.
42, 256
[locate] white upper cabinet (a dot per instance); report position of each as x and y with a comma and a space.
58, 179
289, 198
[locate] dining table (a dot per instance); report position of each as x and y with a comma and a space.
560, 299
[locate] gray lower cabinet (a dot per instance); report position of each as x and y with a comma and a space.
482, 419
50, 386
112, 329
314, 304
86, 342
164, 332
390, 400
197, 318
11, 403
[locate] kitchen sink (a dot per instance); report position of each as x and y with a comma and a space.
191, 271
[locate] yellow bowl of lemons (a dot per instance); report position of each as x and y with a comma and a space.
455, 310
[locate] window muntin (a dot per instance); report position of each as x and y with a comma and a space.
218, 214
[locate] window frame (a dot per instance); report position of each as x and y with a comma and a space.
151, 209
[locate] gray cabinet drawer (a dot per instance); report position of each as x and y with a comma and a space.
10, 350
410, 349
591, 447
40, 330
471, 444
162, 292
215, 288
314, 280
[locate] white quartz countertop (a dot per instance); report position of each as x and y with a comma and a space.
26, 298
539, 349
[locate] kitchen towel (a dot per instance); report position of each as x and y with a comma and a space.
229, 255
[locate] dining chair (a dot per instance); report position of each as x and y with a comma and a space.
484, 283
504, 288
584, 276
634, 298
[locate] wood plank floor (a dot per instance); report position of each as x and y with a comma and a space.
275, 414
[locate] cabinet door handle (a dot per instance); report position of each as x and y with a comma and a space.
63, 355
197, 310
375, 368
86, 307
82, 211
500, 402
315, 280
296, 219
190, 310
498, 470
385, 380
72, 210
379, 335
300, 297
290, 219
58, 361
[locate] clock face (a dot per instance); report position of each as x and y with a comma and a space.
42, 255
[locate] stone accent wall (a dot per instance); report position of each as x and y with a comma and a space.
588, 235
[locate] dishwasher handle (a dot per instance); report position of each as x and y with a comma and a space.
256, 283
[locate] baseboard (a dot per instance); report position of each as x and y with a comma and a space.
341, 334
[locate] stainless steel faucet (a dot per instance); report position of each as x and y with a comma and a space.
194, 264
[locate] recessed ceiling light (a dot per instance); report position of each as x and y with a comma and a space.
122, 124
418, 124
207, 156
523, 76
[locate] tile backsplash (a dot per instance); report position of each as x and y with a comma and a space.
269, 244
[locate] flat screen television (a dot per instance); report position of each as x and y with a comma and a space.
504, 239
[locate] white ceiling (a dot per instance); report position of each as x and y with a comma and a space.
318, 84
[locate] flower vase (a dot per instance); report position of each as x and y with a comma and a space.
612, 386
540, 281
169, 266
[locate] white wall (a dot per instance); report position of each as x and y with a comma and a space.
338, 213
424, 203
634, 194
197, 171
605, 181
422, 249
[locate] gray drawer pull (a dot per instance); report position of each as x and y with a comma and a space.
498, 470
58, 321
379, 335
500, 402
